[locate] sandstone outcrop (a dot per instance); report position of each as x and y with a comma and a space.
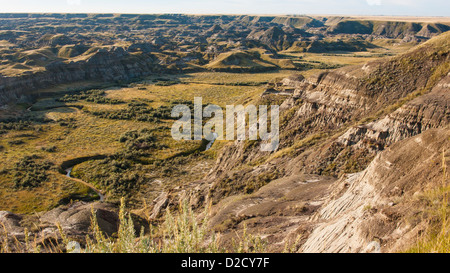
382, 139
373, 205
75, 221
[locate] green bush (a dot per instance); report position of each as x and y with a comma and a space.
142, 112
167, 83
19, 125
49, 149
141, 140
69, 123
116, 175
96, 96
29, 173
16, 142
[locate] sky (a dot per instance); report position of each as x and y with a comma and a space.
325, 7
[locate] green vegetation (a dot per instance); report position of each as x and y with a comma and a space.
139, 143
95, 96
381, 79
118, 177
69, 123
135, 110
166, 82
134, 138
16, 126
302, 143
140, 112
30, 174
130, 127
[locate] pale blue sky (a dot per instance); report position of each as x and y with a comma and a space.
352, 7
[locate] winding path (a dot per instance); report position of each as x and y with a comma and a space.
100, 194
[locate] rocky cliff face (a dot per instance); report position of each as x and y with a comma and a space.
60, 48
379, 209
274, 37
350, 114
381, 127
388, 29
106, 65
75, 221
423, 113
368, 211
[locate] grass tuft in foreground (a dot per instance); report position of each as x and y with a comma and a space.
437, 239
180, 233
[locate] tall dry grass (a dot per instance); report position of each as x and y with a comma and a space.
180, 232
437, 238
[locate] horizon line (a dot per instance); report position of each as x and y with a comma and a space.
234, 14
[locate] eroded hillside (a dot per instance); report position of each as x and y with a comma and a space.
364, 126
383, 140
43, 50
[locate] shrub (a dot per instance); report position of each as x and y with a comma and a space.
167, 83
29, 173
19, 125
135, 110
15, 142
69, 123
49, 149
96, 96
142, 112
143, 139
113, 174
